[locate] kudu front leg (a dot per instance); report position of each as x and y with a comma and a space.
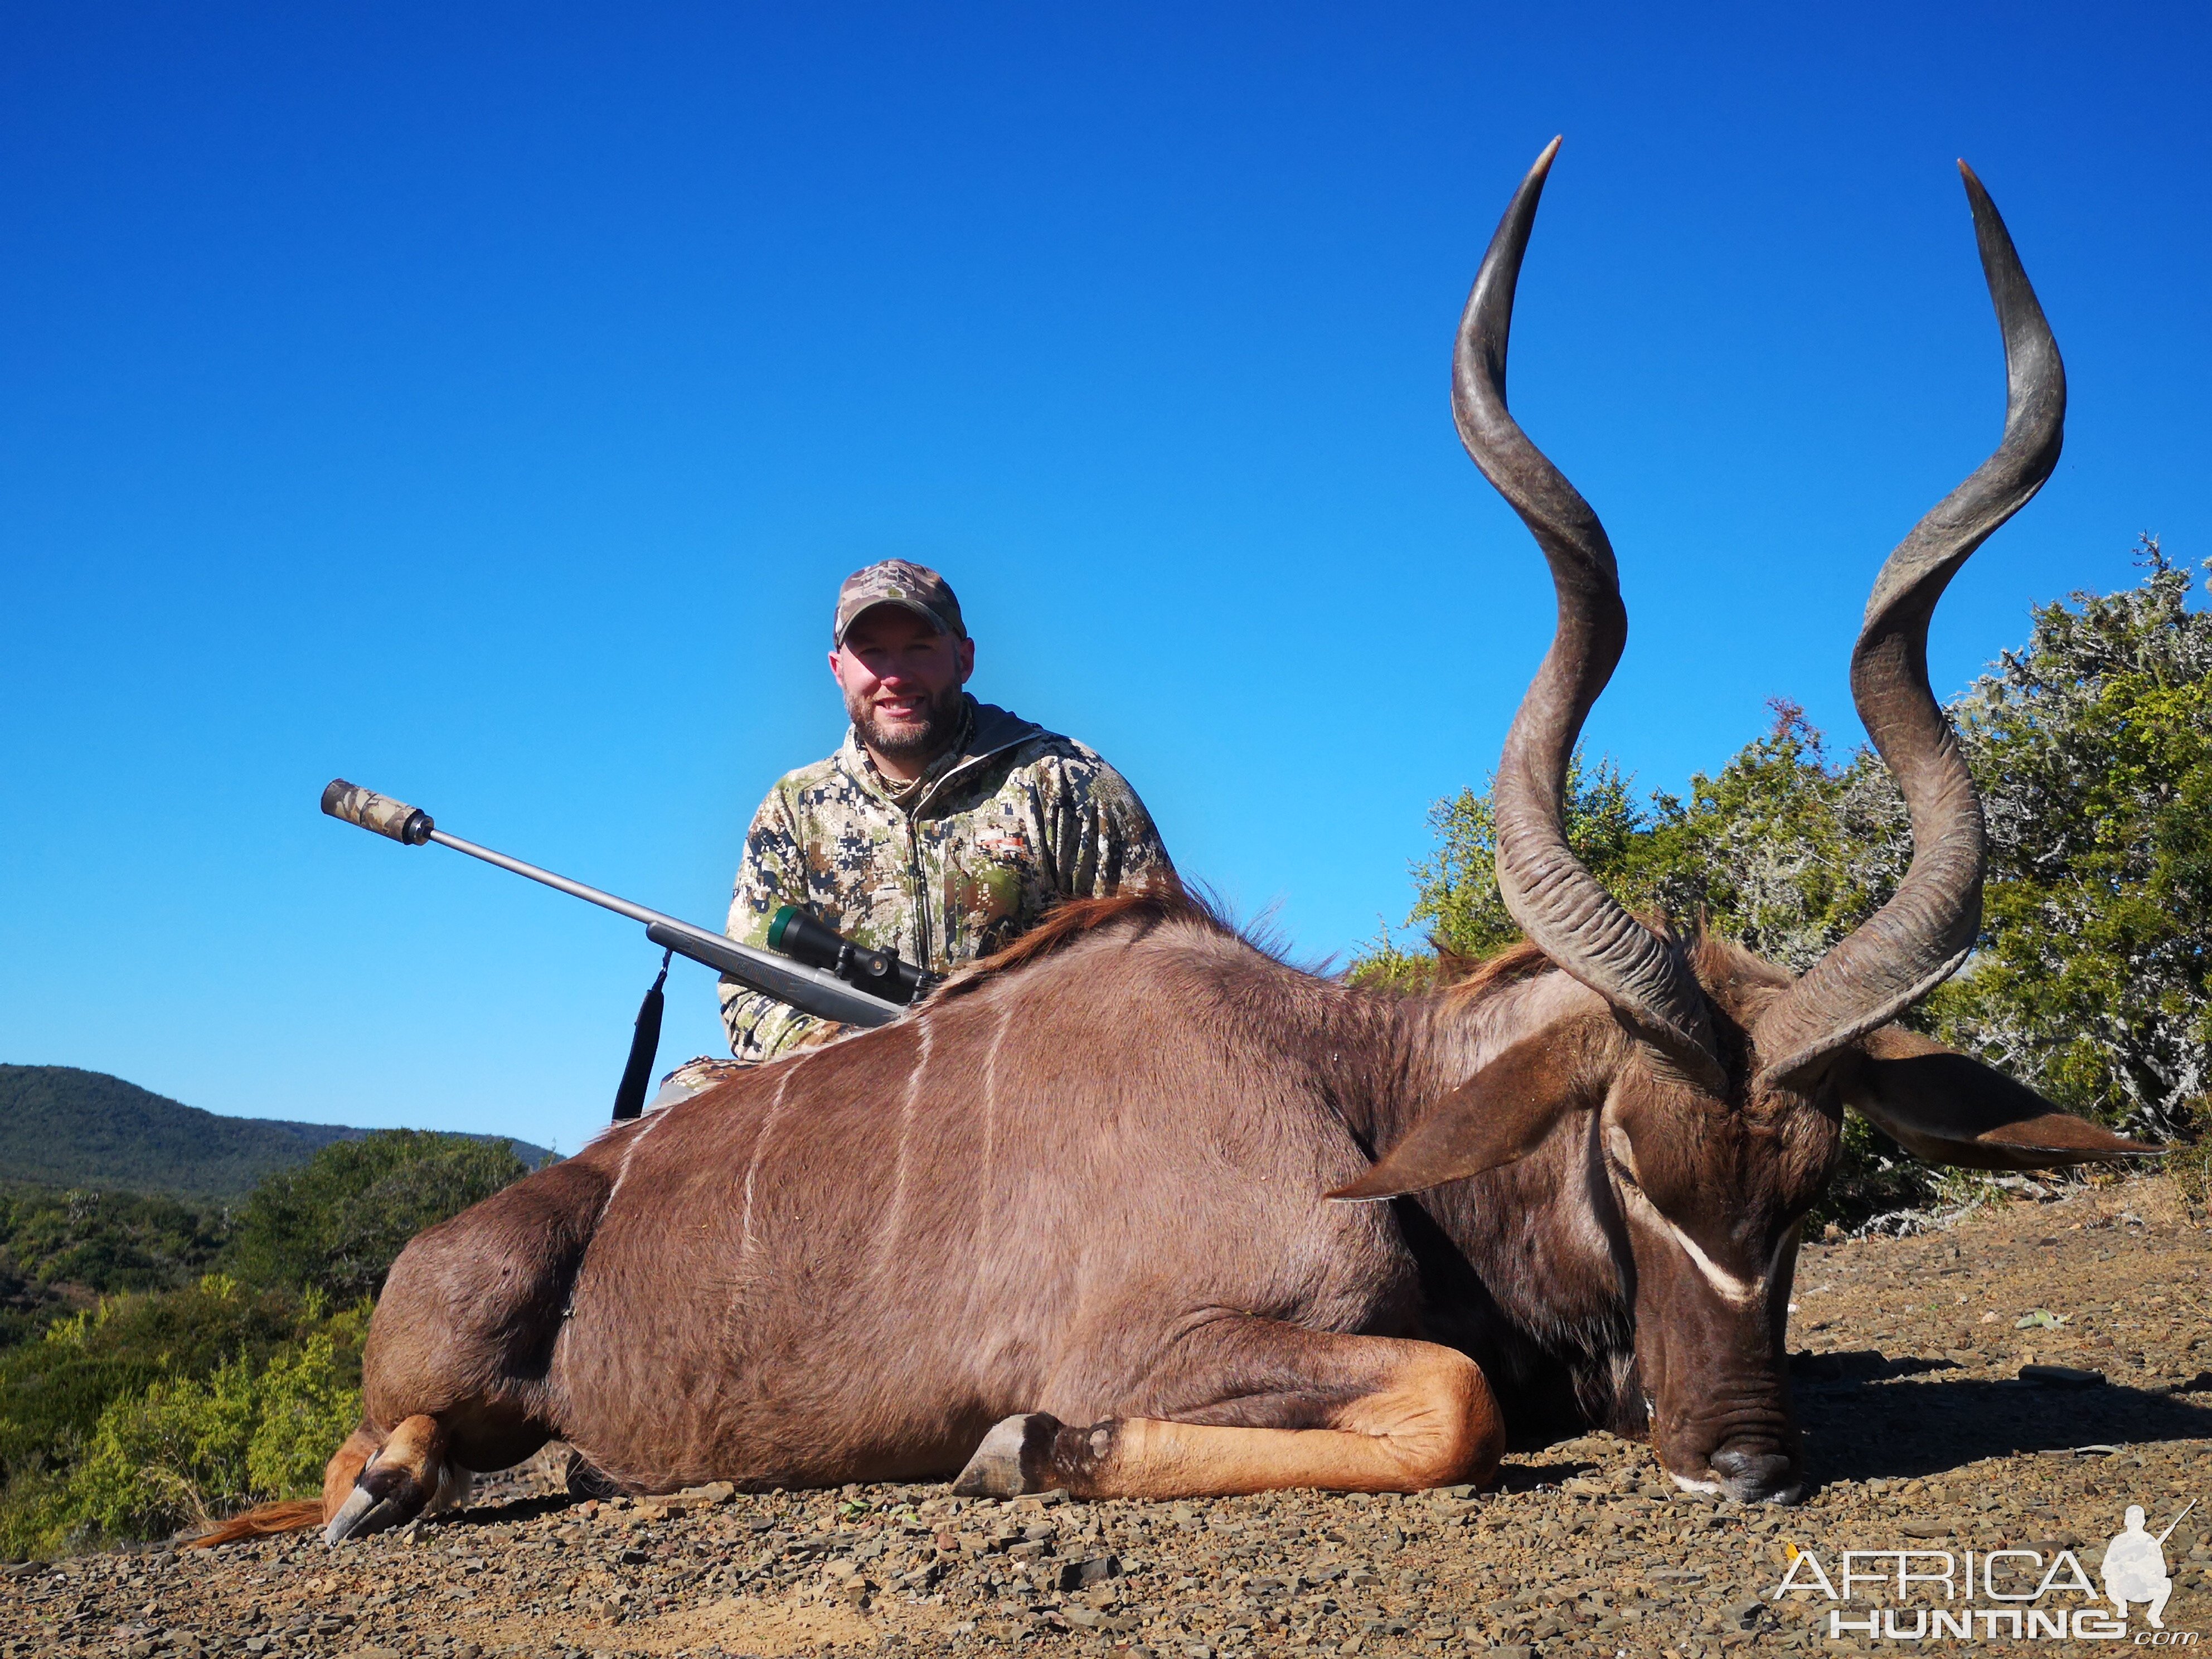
1340, 1413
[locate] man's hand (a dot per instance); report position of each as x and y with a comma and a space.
827, 1031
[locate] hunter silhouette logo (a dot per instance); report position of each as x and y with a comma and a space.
2135, 1566
1981, 1596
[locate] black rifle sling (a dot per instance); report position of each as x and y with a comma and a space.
644, 1045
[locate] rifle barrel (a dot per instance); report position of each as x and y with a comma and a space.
2176, 1521
810, 990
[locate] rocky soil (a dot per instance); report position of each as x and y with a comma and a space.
1935, 1419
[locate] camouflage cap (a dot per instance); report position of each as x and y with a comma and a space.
894, 581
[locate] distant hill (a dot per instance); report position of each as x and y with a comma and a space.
65, 1128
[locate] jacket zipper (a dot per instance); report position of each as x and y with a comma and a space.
921, 928
921, 951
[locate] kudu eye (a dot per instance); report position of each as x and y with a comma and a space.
1621, 1153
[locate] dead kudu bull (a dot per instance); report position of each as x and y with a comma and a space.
1079, 1220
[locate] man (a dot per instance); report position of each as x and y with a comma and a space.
943, 828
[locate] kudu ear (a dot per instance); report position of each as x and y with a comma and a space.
1500, 1113
1948, 1108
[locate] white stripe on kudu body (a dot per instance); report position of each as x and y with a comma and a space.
646, 1126
894, 1212
760, 1142
991, 1100
622, 1171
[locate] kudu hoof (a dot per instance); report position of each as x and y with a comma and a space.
586, 1480
1014, 1458
409, 1474
381, 1498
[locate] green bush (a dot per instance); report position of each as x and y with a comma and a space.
173, 1453
336, 1222
2093, 748
133, 1418
307, 1401
108, 1241
186, 1450
53, 1392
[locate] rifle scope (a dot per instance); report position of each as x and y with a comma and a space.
806, 937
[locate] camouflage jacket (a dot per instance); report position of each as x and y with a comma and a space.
944, 869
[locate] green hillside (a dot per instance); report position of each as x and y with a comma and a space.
61, 1126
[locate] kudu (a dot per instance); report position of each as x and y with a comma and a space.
1086, 1217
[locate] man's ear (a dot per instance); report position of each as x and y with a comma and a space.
1948, 1108
1500, 1113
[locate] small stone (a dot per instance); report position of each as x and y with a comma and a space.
1081, 1575
685, 1502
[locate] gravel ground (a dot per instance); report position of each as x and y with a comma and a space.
1921, 1429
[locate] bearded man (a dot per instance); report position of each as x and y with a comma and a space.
943, 828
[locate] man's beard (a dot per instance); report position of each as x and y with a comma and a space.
913, 740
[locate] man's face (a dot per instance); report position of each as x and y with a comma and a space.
901, 682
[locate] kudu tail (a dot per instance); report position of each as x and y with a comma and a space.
294, 1515
298, 1514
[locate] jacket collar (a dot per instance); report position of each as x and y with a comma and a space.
987, 731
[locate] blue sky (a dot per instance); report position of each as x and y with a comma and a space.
483, 403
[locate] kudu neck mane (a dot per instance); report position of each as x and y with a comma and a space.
1382, 1057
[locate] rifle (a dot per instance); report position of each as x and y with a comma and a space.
818, 971
2176, 1521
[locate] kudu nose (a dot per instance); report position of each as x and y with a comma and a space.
1757, 1477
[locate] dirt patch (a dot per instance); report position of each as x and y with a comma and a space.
1909, 1377
739, 1624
